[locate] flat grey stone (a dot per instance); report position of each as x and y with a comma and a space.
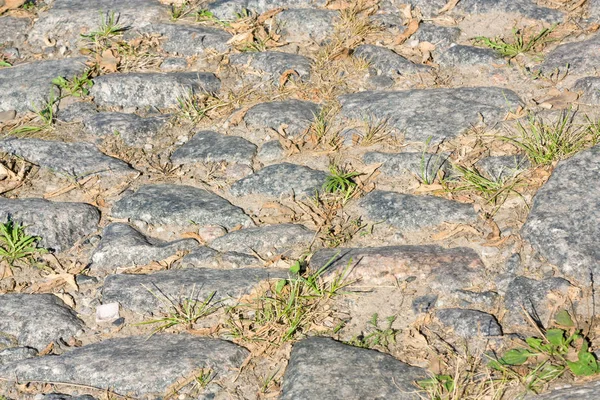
179, 205
470, 298
440, 36
123, 246
136, 365
425, 303
150, 89
301, 25
76, 112
273, 63
533, 296
267, 241
205, 257
461, 55
146, 293
563, 222
227, 9
13, 31
593, 9
435, 113
27, 86
36, 320
582, 57
296, 114
66, 20
281, 180
387, 62
503, 166
59, 224
189, 40
469, 323
134, 130
209, 146
271, 151
589, 88
321, 368
16, 354
76, 159
423, 166
590, 390
60, 396
441, 269
408, 212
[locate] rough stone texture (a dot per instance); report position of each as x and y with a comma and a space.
503, 166
172, 64
138, 365
296, 114
271, 151
535, 296
27, 86
281, 180
36, 320
150, 89
424, 166
461, 55
590, 390
179, 205
60, 396
205, 257
67, 19
77, 159
387, 62
59, 224
122, 246
13, 31
594, 9
435, 113
469, 323
133, 291
134, 129
304, 25
76, 112
274, 63
590, 89
440, 36
321, 368
407, 212
583, 57
16, 354
427, 266
266, 240
563, 222
189, 40
209, 146
227, 9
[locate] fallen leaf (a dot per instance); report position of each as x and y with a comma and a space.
193, 235
241, 38
46, 350
412, 27
268, 14
449, 6
338, 5
11, 5
426, 48
285, 76
66, 298
342, 54
108, 61
560, 101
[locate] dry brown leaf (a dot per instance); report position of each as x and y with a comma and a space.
497, 242
449, 6
108, 61
429, 188
285, 76
66, 298
559, 101
338, 5
193, 235
412, 27
426, 49
11, 5
341, 54
241, 38
46, 350
238, 116
268, 14
406, 11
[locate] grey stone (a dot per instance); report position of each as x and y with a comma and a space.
590, 89
123, 246
563, 222
435, 267
503, 166
424, 166
134, 129
36, 320
209, 146
189, 40
137, 365
594, 9
435, 113
150, 89
59, 224
60, 396
227, 9
16, 354
440, 36
461, 55
296, 114
172, 64
470, 298
423, 304
273, 63
387, 62
387, 20
281, 180
267, 241
13, 31
27, 86
149, 293
469, 323
590, 390
378, 82
533, 296
76, 159
66, 20
321, 368
300, 25
205, 257
179, 205
271, 151
581, 57
408, 212
76, 112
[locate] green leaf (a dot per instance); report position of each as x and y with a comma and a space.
586, 364
534, 343
556, 337
515, 357
5, 64
563, 318
280, 285
296, 267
